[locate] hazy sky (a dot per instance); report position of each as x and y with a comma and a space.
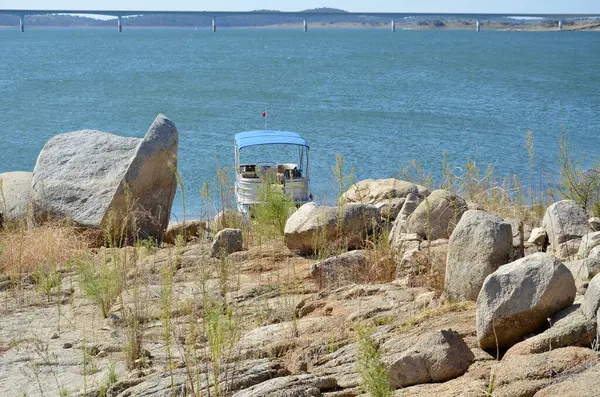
471, 6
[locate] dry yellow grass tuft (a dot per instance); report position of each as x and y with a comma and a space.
25, 250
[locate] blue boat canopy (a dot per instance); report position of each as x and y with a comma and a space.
268, 137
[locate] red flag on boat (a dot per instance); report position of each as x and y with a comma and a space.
264, 114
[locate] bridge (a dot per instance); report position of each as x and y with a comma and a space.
119, 14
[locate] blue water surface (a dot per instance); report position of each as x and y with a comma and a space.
378, 98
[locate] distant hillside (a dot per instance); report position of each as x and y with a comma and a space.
154, 20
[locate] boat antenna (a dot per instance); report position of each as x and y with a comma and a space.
266, 114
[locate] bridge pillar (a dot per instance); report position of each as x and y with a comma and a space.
305, 25
559, 25
119, 24
478, 26
22, 23
393, 25
214, 25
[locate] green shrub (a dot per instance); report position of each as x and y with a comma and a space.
274, 209
373, 374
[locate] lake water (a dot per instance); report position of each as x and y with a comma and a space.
378, 98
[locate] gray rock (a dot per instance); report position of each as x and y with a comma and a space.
538, 237
437, 215
372, 191
583, 270
591, 300
228, 219
594, 223
569, 327
97, 179
584, 384
595, 253
310, 226
304, 385
588, 242
410, 205
518, 239
566, 251
565, 220
436, 357
226, 242
15, 191
479, 245
390, 209
357, 222
518, 298
313, 227
187, 229
349, 266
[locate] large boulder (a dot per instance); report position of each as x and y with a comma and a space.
436, 357
314, 227
564, 221
15, 190
591, 300
479, 245
437, 215
373, 191
97, 179
226, 242
518, 298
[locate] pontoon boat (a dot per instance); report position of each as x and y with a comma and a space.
269, 166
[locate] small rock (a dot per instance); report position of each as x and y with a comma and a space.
187, 229
538, 237
67, 345
101, 354
54, 335
565, 220
436, 357
594, 224
569, 327
390, 209
437, 215
588, 243
583, 270
349, 266
591, 300
227, 241
566, 251
424, 300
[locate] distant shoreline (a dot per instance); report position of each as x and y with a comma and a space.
323, 26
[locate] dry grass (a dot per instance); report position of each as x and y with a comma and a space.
25, 250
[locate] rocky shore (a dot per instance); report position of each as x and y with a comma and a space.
400, 290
